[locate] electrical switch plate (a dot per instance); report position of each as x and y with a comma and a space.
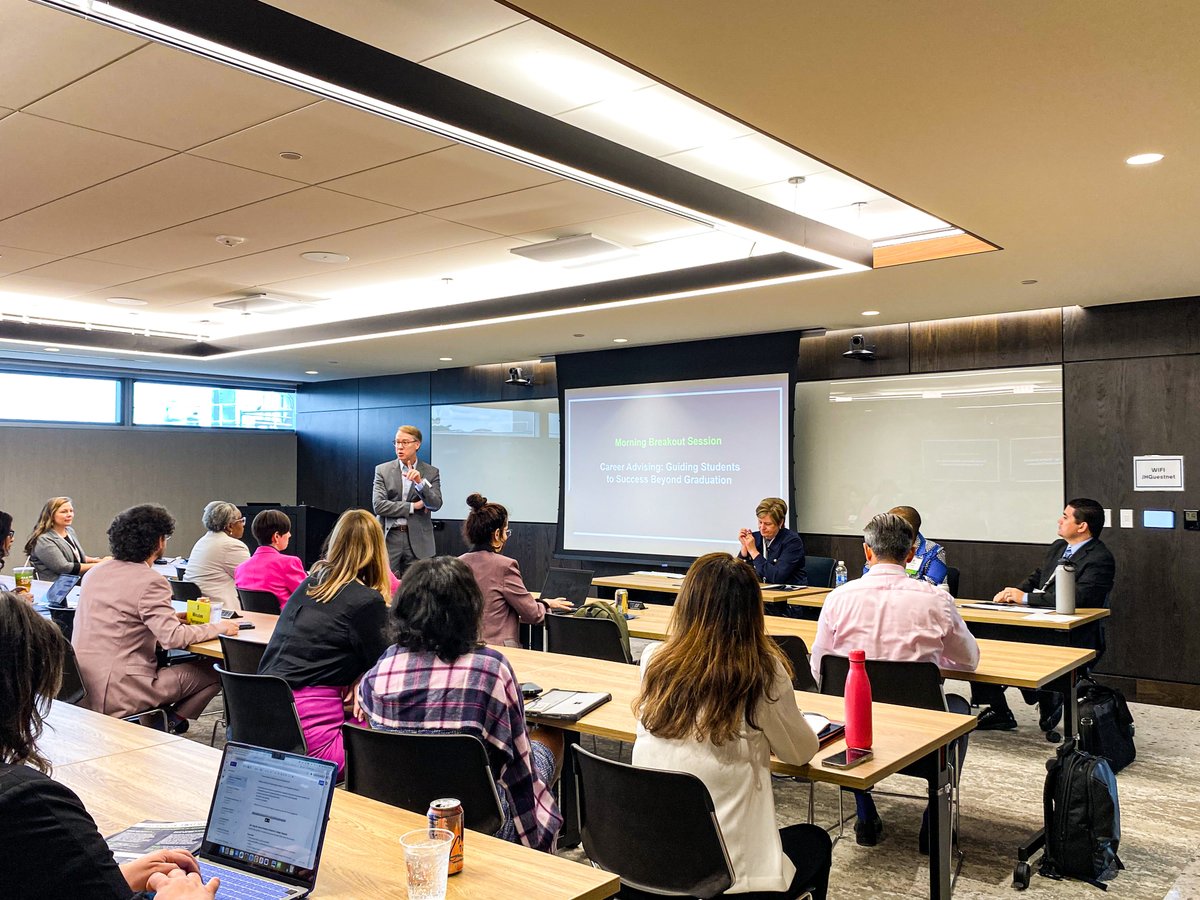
1108, 518
1191, 520
1127, 518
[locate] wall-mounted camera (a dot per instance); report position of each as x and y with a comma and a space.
516, 375
860, 349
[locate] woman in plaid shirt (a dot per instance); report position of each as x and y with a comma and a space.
438, 677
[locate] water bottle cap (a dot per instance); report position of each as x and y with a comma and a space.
858, 656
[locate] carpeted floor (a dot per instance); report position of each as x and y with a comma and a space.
1002, 784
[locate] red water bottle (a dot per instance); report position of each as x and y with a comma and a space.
858, 703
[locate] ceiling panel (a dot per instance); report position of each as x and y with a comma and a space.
413, 29
631, 229
42, 49
166, 193
443, 178
334, 139
539, 68
54, 160
69, 277
170, 98
13, 259
746, 162
548, 206
301, 215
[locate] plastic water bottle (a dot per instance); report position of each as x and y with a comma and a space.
858, 703
840, 575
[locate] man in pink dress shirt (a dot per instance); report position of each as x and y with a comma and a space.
893, 617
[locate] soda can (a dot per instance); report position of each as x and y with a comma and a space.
621, 600
448, 813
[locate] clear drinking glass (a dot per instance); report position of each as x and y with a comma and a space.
427, 859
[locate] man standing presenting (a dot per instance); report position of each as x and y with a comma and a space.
1079, 542
405, 492
891, 616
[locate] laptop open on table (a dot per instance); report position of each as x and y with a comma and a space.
570, 584
266, 825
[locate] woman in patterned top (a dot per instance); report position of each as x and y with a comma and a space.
438, 677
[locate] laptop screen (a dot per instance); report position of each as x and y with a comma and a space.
269, 812
56, 595
571, 584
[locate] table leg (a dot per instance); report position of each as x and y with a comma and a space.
1065, 685
940, 849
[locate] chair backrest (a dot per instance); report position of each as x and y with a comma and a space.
917, 684
412, 770
819, 570
796, 651
72, 690
593, 638
261, 711
184, 590
952, 580
241, 657
258, 601
680, 853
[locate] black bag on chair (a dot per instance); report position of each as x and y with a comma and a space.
1083, 818
1105, 724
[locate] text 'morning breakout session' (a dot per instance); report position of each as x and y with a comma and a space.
671, 469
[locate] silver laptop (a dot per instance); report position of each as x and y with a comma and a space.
267, 823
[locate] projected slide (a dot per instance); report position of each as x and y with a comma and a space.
671, 469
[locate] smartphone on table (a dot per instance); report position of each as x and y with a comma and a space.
848, 758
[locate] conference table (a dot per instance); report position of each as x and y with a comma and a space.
1018, 624
125, 774
904, 736
1000, 662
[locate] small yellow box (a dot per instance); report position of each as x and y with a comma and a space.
198, 611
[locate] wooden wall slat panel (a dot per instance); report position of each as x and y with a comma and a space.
821, 355
1122, 330
326, 459
987, 342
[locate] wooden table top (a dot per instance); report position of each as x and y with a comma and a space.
664, 584
264, 627
73, 734
1000, 662
902, 734
362, 856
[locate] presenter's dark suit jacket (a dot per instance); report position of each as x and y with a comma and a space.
784, 564
386, 503
1095, 569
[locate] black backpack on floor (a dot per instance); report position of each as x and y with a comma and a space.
1083, 818
1105, 724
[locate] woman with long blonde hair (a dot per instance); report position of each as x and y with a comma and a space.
717, 701
331, 631
52, 548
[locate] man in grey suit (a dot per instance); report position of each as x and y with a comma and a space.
406, 491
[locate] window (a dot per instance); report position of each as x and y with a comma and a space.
56, 398
206, 406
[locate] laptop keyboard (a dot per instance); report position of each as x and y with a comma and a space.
237, 885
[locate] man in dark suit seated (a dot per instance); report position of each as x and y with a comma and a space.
1079, 530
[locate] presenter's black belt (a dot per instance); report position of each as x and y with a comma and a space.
403, 526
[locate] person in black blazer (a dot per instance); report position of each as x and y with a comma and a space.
1079, 529
775, 552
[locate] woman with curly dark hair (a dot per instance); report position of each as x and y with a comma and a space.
438, 677
52, 847
124, 611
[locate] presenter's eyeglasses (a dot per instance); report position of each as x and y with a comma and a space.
406, 443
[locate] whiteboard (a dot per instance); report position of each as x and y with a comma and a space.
507, 451
979, 454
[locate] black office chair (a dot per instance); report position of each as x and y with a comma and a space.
241, 657
261, 710
796, 651
74, 691
184, 590
591, 638
687, 859
412, 770
259, 601
819, 570
916, 684
952, 580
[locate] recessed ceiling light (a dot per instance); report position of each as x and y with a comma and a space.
291, 154
579, 335
51, 349
127, 301
446, 359
620, 340
1030, 281
870, 312
323, 257
1143, 159
311, 372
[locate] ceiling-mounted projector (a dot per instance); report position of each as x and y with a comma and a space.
261, 303
860, 349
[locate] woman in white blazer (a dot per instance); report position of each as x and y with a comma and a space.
53, 549
216, 556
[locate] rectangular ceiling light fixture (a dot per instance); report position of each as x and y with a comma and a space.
574, 250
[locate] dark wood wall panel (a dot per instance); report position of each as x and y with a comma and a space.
483, 384
821, 355
987, 342
1116, 410
1161, 328
394, 390
326, 458
327, 395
